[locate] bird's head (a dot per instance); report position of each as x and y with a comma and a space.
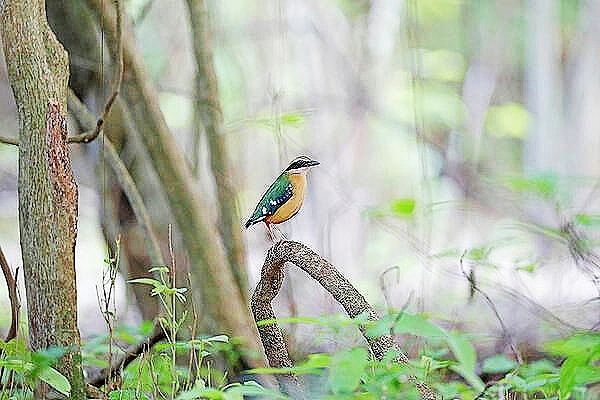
301, 165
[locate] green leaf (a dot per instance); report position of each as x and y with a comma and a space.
527, 268
417, 325
15, 365
403, 207
462, 348
540, 381
124, 394
583, 344
293, 119
498, 364
146, 281
543, 185
315, 364
201, 393
465, 355
347, 369
250, 388
217, 338
587, 220
477, 254
160, 268
567, 377
55, 379
413, 324
470, 376
48, 356
508, 120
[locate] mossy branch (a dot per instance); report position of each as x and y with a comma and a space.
337, 285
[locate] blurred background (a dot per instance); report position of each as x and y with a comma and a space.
458, 143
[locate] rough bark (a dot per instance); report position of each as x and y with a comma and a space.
208, 106
38, 74
337, 285
211, 272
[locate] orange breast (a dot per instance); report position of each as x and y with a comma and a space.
292, 206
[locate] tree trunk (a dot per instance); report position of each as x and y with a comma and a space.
208, 106
38, 73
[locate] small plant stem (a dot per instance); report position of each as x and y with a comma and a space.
173, 316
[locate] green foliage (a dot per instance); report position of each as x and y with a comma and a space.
22, 369
400, 208
346, 370
498, 364
582, 352
448, 361
541, 185
235, 391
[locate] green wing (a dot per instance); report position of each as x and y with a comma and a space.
280, 191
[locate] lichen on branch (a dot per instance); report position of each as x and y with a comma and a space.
337, 285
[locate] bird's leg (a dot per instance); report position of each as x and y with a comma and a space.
282, 235
270, 232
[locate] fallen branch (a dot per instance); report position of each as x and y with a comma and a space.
337, 285
132, 352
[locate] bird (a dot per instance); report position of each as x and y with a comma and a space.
284, 197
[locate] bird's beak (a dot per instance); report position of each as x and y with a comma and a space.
312, 163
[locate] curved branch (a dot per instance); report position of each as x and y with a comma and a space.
11, 282
336, 284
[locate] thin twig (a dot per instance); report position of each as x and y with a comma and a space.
585, 259
11, 282
388, 301
505, 333
7, 140
92, 134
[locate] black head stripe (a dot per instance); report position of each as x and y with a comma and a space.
300, 162
296, 165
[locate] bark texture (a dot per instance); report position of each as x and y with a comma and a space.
38, 74
337, 285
